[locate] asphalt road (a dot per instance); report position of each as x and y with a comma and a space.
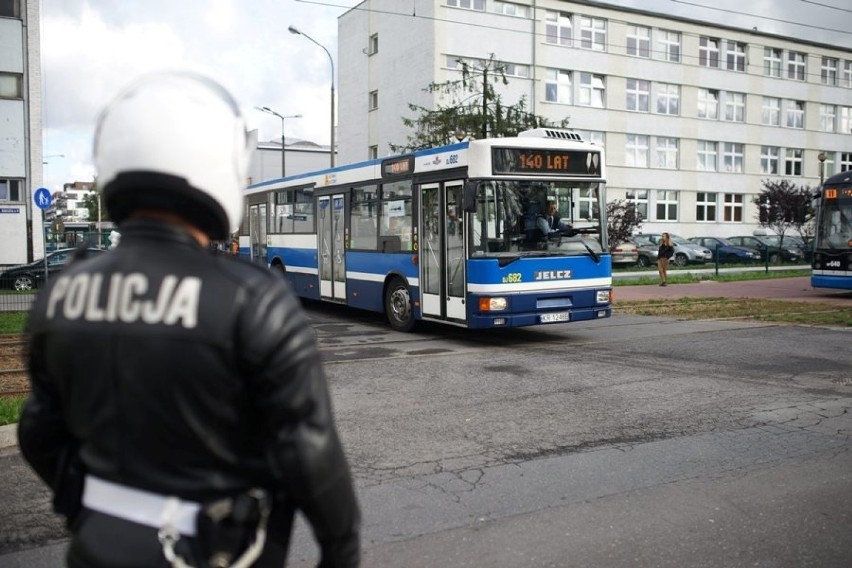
633, 441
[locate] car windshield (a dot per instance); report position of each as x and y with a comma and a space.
678, 240
775, 240
508, 216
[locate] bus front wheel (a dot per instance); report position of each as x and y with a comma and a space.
398, 308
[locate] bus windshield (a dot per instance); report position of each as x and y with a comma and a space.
522, 218
835, 227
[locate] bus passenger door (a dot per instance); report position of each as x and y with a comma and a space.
442, 254
257, 233
330, 246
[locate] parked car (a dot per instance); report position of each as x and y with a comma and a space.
685, 251
31, 276
624, 254
766, 248
727, 252
646, 251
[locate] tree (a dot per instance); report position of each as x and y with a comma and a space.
622, 219
91, 203
783, 205
474, 109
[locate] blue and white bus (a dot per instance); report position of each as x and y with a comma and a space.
832, 259
449, 234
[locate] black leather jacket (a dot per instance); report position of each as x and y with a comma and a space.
185, 372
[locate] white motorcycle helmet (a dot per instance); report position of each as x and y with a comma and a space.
174, 141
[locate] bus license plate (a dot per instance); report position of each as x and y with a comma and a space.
555, 316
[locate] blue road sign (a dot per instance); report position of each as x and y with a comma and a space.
42, 198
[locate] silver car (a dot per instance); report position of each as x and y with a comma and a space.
685, 251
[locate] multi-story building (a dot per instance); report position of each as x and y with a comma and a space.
694, 116
20, 132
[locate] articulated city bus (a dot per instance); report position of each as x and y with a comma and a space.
832, 259
455, 234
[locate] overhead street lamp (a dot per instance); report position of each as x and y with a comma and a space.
821, 157
268, 110
294, 30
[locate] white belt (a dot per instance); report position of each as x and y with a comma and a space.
138, 506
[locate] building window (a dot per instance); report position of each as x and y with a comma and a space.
639, 198
733, 208
708, 103
510, 9
732, 157
771, 111
557, 86
772, 62
592, 90
374, 44
795, 111
828, 164
593, 136
374, 100
735, 107
845, 161
827, 118
10, 190
636, 151
372, 152
705, 206
706, 156
666, 205
769, 158
708, 52
11, 86
846, 77
593, 33
735, 56
796, 65
666, 151
638, 95
669, 44
558, 28
828, 71
468, 4
639, 41
668, 99
845, 120
515, 70
793, 162
10, 9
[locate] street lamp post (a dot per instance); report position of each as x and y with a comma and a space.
821, 157
294, 30
268, 110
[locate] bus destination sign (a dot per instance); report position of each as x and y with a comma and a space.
398, 166
545, 161
838, 192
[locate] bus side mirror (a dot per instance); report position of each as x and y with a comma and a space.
469, 197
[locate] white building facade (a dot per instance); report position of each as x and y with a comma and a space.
20, 132
694, 116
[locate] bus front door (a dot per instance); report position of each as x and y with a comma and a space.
257, 233
442, 254
330, 242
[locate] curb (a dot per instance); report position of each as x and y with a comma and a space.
8, 436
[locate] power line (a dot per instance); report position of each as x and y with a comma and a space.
761, 16
826, 6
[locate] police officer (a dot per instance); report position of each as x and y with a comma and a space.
179, 410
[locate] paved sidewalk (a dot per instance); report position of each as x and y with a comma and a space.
793, 289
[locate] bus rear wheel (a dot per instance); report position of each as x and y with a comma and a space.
398, 307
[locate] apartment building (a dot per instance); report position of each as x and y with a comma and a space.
694, 116
20, 132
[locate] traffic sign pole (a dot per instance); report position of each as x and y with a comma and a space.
43, 200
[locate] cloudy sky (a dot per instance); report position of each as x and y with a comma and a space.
91, 48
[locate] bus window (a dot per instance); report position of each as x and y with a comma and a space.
363, 218
396, 212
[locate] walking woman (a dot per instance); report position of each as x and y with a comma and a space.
665, 252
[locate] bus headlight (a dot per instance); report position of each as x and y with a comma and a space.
493, 304
602, 297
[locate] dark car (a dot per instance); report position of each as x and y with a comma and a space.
646, 250
727, 252
769, 249
31, 276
